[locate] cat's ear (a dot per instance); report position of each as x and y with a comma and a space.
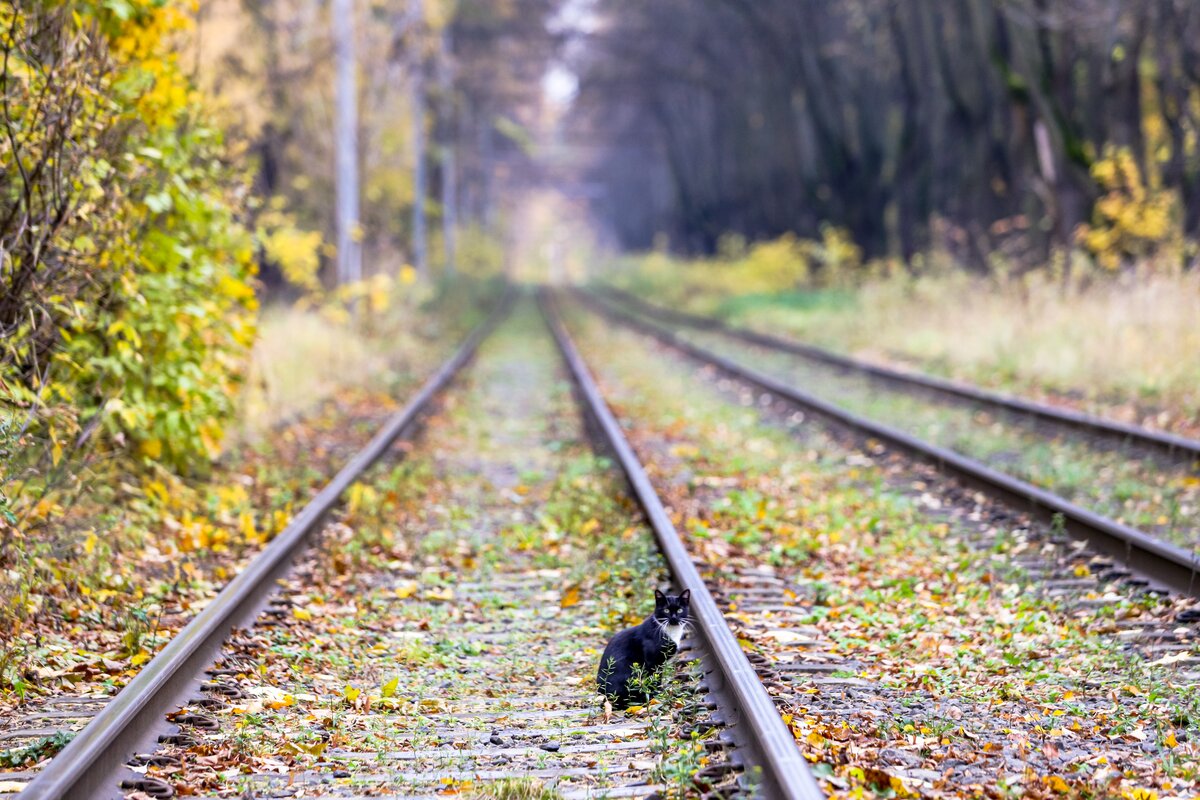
685, 596
659, 597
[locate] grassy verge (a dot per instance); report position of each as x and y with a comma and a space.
977, 680
1124, 346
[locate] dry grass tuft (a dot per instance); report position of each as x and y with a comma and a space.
1135, 339
299, 360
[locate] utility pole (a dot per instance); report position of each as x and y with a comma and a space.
449, 168
420, 243
349, 252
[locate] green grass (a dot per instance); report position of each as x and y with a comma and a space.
811, 301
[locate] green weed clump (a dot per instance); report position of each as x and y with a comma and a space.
515, 789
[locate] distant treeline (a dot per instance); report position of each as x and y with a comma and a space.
972, 123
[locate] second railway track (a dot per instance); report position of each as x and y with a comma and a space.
1141, 478
1121, 432
921, 638
1162, 561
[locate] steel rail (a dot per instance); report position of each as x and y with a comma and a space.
89, 766
754, 719
1171, 443
1162, 563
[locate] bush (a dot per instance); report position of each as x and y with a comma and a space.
1131, 220
772, 267
127, 306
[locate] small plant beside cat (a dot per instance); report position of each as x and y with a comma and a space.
634, 656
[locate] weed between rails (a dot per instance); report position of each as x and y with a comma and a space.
515, 789
985, 664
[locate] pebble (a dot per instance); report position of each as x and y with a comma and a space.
890, 755
550, 747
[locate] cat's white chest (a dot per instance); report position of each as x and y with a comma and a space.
675, 632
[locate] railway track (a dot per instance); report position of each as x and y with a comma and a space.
1139, 478
90, 765
479, 620
1160, 563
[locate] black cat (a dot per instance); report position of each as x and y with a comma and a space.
647, 645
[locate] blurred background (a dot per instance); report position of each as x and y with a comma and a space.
214, 213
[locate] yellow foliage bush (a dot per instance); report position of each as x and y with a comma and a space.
297, 252
1131, 220
779, 265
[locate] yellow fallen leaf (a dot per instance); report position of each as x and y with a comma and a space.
302, 614
389, 688
591, 526
445, 593
139, 658
898, 787
406, 590
282, 702
1170, 740
1139, 793
570, 597
351, 693
1058, 784
307, 748
246, 526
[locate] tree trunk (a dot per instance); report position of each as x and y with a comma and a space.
417, 82
349, 254
449, 168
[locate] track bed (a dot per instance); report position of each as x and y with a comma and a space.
919, 637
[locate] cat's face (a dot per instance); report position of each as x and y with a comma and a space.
672, 609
